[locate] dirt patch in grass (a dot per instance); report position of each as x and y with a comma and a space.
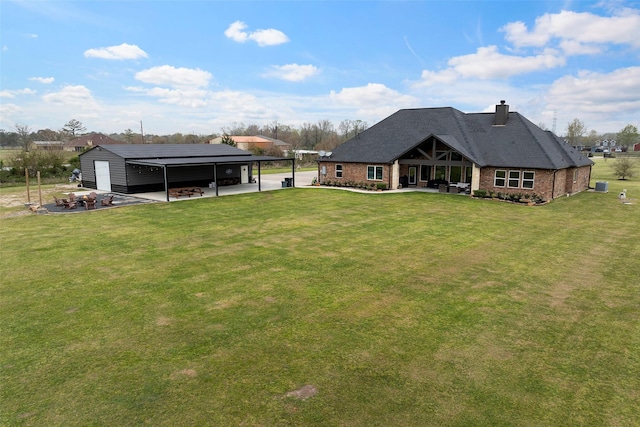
303, 393
19, 198
184, 373
163, 321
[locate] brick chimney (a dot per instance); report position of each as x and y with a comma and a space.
502, 114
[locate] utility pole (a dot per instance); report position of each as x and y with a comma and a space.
141, 132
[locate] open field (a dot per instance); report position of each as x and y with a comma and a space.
406, 309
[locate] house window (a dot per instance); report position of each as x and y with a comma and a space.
455, 174
527, 179
425, 173
468, 171
374, 173
500, 179
456, 157
441, 172
575, 175
514, 179
338, 171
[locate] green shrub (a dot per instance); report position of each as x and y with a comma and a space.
480, 193
381, 186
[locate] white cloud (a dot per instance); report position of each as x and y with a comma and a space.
487, 64
192, 98
78, 96
293, 72
9, 110
14, 93
43, 80
577, 29
123, 51
373, 100
268, 37
598, 92
168, 75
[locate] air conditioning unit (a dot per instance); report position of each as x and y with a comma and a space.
602, 186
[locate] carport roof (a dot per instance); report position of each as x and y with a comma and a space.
194, 161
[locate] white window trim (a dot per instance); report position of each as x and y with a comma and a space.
532, 180
375, 169
509, 179
496, 178
341, 171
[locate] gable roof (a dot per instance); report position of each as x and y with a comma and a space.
171, 151
518, 143
91, 140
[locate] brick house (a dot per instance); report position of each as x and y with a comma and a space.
501, 151
89, 140
249, 143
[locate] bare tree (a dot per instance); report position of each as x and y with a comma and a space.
73, 128
24, 133
575, 130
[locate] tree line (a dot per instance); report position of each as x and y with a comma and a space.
577, 134
322, 135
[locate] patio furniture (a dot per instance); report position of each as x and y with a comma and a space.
108, 201
90, 204
185, 191
68, 204
58, 201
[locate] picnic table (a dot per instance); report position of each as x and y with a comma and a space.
185, 191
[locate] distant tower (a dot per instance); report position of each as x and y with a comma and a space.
555, 120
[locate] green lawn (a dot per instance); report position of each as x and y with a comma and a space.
407, 309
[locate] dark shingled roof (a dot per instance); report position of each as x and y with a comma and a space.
519, 143
173, 151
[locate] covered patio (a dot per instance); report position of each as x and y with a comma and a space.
247, 182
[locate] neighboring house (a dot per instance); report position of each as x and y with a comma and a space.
48, 145
636, 147
258, 141
500, 151
139, 168
88, 141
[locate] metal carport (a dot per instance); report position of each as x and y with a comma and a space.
175, 162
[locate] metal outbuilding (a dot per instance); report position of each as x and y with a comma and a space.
139, 168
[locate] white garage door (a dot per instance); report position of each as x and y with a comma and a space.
103, 177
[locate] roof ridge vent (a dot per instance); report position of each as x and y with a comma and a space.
502, 114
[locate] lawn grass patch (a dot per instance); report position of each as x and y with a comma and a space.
397, 309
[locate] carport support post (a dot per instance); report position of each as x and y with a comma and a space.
293, 171
259, 178
215, 177
166, 182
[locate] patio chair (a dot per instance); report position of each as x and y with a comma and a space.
68, 204
72, 197
90, 204
93, 195
58, 201
107, 201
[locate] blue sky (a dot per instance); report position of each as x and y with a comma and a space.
199, 66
